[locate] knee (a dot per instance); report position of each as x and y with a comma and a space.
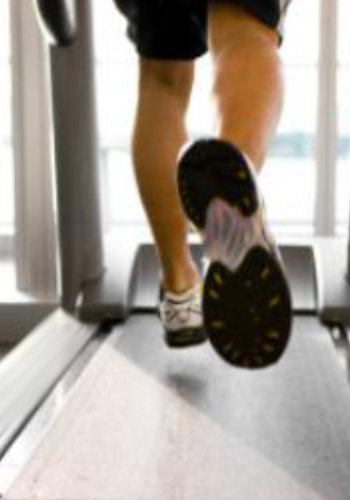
175, 77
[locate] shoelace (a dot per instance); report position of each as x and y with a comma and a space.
182, 311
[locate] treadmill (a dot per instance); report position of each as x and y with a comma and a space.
192, 426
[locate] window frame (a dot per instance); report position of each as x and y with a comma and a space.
327, 123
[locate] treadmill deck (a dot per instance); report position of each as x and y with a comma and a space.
145, 422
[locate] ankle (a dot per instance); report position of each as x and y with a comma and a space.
180, 281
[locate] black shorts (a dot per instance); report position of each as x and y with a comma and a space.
177, 29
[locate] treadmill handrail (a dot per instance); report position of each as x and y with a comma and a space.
58, 21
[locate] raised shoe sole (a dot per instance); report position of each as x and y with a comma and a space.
247, 302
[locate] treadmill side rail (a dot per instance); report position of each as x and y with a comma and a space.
29, 372
333, 286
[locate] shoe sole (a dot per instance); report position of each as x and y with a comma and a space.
185, 338
247, 302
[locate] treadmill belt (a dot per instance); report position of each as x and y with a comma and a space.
145, 422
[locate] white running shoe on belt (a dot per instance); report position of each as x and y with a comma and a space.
182, 318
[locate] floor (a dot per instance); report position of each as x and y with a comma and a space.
145, 422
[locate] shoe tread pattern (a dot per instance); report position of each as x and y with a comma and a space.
247, 313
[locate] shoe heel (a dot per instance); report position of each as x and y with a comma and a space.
212, 169
248, 313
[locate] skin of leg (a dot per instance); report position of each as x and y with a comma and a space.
245, 52
248, 79
159, 134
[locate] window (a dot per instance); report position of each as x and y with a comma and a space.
6, 159
289, 176
343, 164
288, 180
116, 75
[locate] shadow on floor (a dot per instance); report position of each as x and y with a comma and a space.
295, 414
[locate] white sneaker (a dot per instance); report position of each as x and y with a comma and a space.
182, 318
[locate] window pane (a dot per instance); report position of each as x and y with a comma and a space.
292, 153
344, 39
116, 76
200, 119
291, 156
5, 103
300, 43
343, 167
4, 30
6, 186
124, 208
117, 98
111, 44
288, 186
6, 153
301, 101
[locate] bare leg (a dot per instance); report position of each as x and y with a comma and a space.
248, 90
248, 85
165, 88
